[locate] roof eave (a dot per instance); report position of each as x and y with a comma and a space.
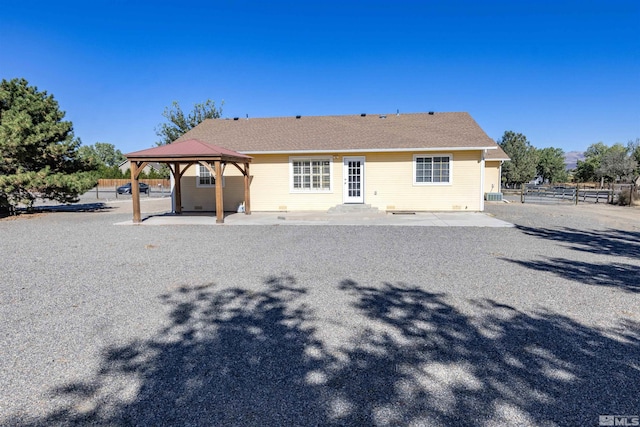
190, 158
367, 150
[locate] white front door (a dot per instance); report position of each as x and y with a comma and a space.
353, 173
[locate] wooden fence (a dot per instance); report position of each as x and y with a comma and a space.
579, 194
153, 183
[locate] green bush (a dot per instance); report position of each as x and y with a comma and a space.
624, 197
111, 172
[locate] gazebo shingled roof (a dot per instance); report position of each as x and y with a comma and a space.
187, 149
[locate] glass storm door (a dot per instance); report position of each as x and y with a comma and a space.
353, 173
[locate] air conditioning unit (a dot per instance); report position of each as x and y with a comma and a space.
493, 197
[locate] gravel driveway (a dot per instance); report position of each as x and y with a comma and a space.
313, 325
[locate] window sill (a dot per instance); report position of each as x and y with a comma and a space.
310, 191
432, 184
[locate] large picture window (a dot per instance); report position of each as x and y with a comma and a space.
311, 174
204, 178
432, 169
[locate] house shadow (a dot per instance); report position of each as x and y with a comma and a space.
240, 357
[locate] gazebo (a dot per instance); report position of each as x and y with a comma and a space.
181, 155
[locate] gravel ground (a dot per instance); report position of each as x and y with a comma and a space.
311, 325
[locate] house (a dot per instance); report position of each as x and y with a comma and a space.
399, 162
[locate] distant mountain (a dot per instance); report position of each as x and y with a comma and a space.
571, 158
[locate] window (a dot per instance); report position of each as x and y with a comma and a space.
432, 169
204, 178
310, 174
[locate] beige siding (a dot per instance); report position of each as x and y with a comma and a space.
388, 185
204, 199
270, 186
492, 176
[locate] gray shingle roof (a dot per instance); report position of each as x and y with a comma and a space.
343, 133
497, 154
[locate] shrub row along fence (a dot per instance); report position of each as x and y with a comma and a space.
623, 194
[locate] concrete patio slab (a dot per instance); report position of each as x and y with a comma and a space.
418, 219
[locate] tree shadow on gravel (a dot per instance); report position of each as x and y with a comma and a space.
228, 357
81, 208
240, 357
425, 362
602, 242
618, 243
75, 207
616, 275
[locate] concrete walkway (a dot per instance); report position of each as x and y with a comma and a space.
420, 219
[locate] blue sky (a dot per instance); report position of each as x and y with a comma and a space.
564, 73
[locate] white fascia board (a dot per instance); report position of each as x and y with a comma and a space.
367, 150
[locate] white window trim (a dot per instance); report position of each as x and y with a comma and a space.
198, 185
432, 155
311, 190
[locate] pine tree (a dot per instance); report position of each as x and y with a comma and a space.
38, 150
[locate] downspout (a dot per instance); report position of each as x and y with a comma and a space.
482, 172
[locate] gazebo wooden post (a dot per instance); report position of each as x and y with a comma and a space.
219, 199
135, 193
247, 192
178, 194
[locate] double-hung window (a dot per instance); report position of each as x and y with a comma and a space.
204, 178
310, 174
432, 169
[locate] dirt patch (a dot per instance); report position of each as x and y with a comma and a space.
23, 215
593, 216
